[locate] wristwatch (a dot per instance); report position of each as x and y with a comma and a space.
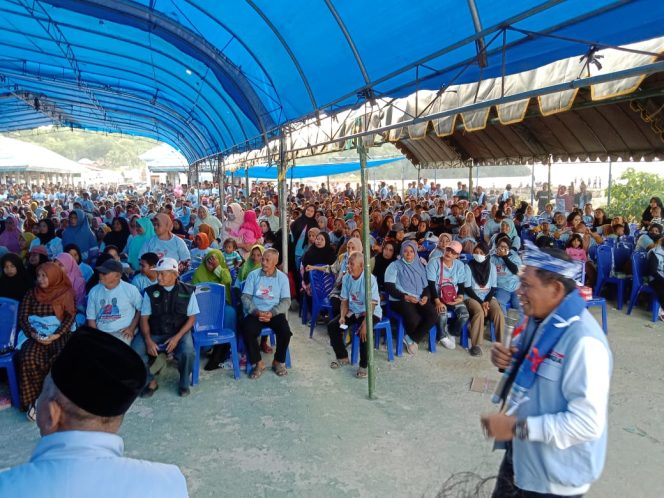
520, 430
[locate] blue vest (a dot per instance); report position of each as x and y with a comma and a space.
536, 464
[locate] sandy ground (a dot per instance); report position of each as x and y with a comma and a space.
314, 433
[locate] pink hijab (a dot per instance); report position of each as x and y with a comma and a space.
251, 225
10, 237
75, 276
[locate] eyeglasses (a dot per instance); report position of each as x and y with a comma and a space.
452, 251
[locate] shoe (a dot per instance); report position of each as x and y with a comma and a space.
661, 314
149, 391
31, 414
448, 342
475, 351
411, 346
184, 391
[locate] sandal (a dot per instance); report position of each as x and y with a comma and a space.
257, 372
361, 373
266, 348
279, 369
31, 414
149, 391
339, 363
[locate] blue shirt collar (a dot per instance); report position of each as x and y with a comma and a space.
78, 444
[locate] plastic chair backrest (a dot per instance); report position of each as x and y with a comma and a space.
8, 328
604, 260
639, 259
580, 277
428, 245
211, 300
233, 272
322, 284
186, 277
621, 255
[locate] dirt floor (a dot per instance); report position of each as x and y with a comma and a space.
314, 433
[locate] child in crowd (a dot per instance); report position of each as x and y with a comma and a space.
618, 232
574, 248
231, 254
147, 276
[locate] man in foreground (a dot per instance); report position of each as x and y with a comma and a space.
92, 384
556, 387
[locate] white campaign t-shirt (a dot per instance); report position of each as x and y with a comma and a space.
113, 309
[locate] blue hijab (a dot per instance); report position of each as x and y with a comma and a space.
412, 276
81, 235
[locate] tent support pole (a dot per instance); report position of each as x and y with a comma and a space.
283, 199
222, 189
362, 152
403, 184
549, 179
470, 180
608, 190
329, 192
477, 176
532, 183
419, 172
198, 186
246, 183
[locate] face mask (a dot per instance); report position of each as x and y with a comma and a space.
479, 258
656, 236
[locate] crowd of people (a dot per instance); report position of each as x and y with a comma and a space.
116, 260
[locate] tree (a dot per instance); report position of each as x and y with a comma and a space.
632, 192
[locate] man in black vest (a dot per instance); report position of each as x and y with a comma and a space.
167, 315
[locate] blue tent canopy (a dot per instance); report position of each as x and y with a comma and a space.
299, 171
208, 77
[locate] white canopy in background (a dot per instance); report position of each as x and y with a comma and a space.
24, 157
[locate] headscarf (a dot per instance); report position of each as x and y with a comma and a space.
248, 266
481, 271
303, 223
9, 238
59, 293
28, 237
14, 287
45, 238
74, 274
202, 241
381, 263
272, 219
238, 217
81, 234
207, 230
165, 221
118, 239
250, 224
512, 232
137, 241
202, 274
320, 256
411, 276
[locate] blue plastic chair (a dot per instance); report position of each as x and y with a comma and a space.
187, 276
384, 326
322, 284
401, 332
208, 328
8, 336
464, 333
640, 285
604, 270
273, 341
595, 301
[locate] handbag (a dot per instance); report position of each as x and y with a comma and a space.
448, 291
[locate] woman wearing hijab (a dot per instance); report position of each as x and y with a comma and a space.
444, 240
10, 237
74, 275
46, 237
166, 245
472, 225
249, 233
252, 263
298, 231
408, 290
78, 232
144, 232
74, 252
213, 222
480, 288
383, 259
24, 243
507, 227
213, 269
46, 316
201, 246
320, 253
118, 236
234, 217
14, 282
207, 230
269, 237
268, 214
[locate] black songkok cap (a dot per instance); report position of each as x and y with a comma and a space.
99, 373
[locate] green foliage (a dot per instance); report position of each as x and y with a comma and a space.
109, 150
632, 192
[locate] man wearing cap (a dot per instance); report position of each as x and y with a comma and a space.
265, 300
113, 305
555, 388
444, 275
168, 313
92, 384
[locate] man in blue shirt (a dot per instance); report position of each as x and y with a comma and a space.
80, 453
265, 300
353, 312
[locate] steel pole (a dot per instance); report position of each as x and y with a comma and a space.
222, 191
198, 187
283, 199
549, 180
246, 184
470, 180
532, 184
608, 190
362, 152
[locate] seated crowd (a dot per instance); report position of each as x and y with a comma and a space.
117, 261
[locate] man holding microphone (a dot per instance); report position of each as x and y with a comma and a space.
555, 388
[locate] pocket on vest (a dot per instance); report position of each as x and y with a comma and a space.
550, 370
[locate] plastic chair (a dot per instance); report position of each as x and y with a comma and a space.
322, 284
401, 332
595, 301
208, 328
187, 276
273, 341
464, 333
639, 285
8, 336
382, 326
604, 267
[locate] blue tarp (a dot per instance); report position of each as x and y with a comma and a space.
300, 171
206, 75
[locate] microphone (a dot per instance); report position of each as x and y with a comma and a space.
511, 321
